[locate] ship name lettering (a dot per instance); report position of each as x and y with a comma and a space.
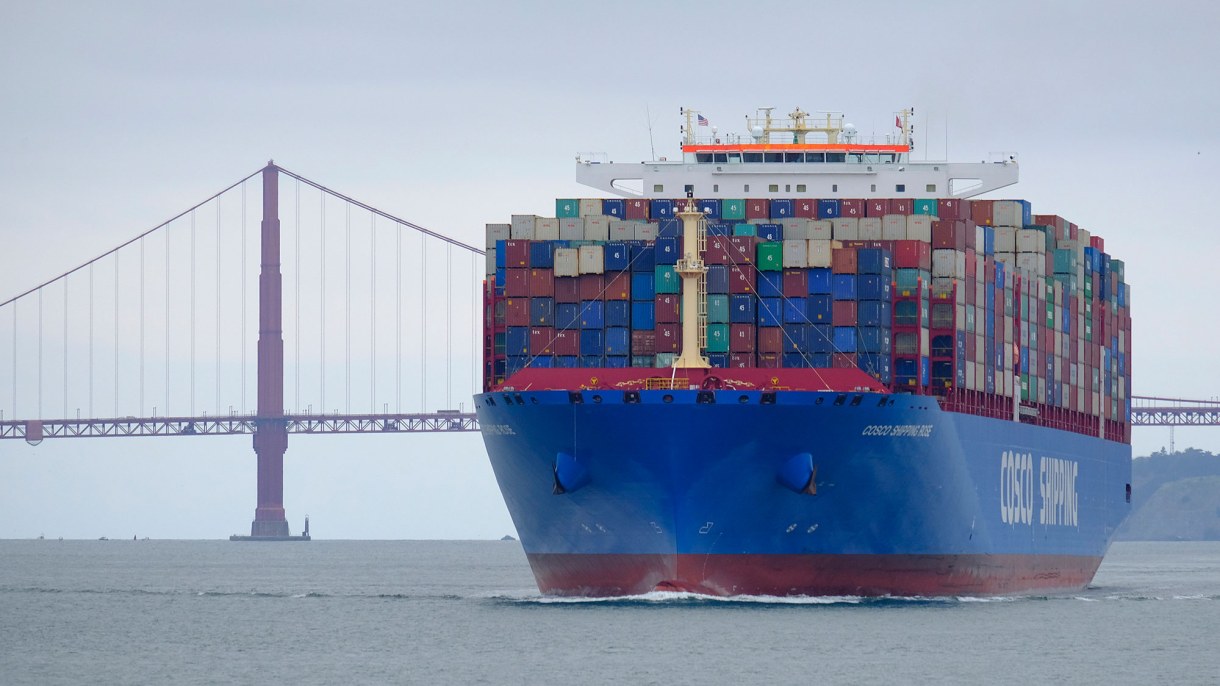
898, 430
499, 430
1017, 487
1057, 486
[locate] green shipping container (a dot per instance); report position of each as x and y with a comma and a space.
666, 280
745, 230
926, 206
770, 256
1065, 262
566, 208
665, 360
732, 209
643, 360
907, 281
718, 309
717, 338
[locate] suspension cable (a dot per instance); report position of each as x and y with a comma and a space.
373, 313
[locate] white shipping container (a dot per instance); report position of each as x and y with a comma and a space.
1007, 330
846, 228
870, 229
1008, 258
597, 228
567, 262
1005, 239
1032, 264
894, 227
523, 227
498, 232
590, 207
948, 263
796, 253
1007, 213
491, 261
820, 229
621, 230
546, 229
919, 228
970, 385
592, 259
819, 252
645, 231
795, 228
1031, 240
980, 239
572, 229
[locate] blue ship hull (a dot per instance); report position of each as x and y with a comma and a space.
797, 492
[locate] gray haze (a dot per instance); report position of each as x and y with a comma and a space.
118, 115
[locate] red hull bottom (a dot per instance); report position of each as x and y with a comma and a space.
811, 575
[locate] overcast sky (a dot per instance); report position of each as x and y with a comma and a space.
116, 116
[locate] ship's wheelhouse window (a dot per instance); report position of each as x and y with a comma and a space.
688, 188
872, 188
715, 188
773, 157
752, 157
815, 157
787, 188
721, 157
931, 188
745, 188
900, 188
855, 157
703, 157
800, 188
773, 188
834, 188
887, 158
794, 157
836, 157
734, 158
658, 188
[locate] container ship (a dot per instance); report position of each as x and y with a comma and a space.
796, 363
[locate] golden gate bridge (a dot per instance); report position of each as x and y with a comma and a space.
69, 336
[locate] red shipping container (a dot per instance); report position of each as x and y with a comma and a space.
542, 283
968, 290
567, 342
758, 208
971, 349
877, 207
741, 280
912, 255
592, 287
741, 338
901, 206
643, 342
619, 286
805, 208
980, 212
972, 264
637, 208
517, 312
542, 341
743, 249
843, 361
1073, 231
741, 360
768, 360
717, 251
567, 289
843, 313
668, 308
952, 208
851, 208
988, 270
516, 254
517, 283
884, 245
948, 235
1052, 220
843, 260
770, 339
1097, 243
796, 283
669, 338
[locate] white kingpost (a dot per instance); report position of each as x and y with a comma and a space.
693, 272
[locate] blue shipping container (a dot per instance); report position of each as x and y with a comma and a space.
781, 208
874, 261
714, 229
770, 284
718, 360
710, 208
542, 311
796, 338
717, 278
588, 361
795, 360
873, 287
770, 311
566, 361
618, 341
819, 281
874, 313
542, 255
618, 313
821, 338
592, 342
643, 286
617, 256
661, 209
771, 232
643, 316
669, 228
828, 209
843, 286
501, 255
614, 207
845, 339
567, 315
873, 339
517, 340
668, 250
741, 309
592, 315
541, 362
819, 308
643, 258
794, 311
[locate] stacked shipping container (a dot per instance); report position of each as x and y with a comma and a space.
974, 301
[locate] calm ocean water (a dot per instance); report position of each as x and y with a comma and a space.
325, 612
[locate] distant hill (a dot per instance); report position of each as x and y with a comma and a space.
1175, 496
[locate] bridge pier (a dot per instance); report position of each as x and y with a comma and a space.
270, 429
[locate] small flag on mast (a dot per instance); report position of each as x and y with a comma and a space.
702, 120
897, 122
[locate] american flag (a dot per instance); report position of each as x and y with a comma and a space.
702, 120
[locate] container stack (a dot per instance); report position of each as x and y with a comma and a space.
979, 302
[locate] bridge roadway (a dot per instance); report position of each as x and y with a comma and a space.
33, 431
